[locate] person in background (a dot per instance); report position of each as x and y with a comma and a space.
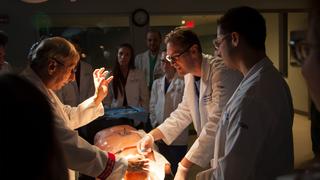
254, 137
208, 87
52, 66
149, 61
310, 52
128, 87
311, 73
82, 88
166, 94
310, 68
75, 92
26, 116
5, 67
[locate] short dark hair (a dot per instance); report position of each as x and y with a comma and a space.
3, 38
183, 37
154, 31
246, 21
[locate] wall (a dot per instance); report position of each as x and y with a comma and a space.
22, 29
298, 87
272, 41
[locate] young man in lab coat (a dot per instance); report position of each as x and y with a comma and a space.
254, 138
208, 87
149, 61
52, 66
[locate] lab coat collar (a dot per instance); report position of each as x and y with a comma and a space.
36, 80
173, 83
132, 75
162, 84
150, 54
206, 60
264, 62
209, 63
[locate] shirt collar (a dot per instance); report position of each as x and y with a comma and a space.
36, 80
263, 62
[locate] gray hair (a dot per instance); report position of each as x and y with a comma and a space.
54, 47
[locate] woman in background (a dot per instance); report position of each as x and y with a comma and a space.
128, 87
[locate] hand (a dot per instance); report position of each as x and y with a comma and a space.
101, 84
182, 173
138, 164
145, 145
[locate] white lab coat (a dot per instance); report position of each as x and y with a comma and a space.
142, 62
136, 91
80, 155
5, 68
162, 104
216, 87
73, 95
254, 139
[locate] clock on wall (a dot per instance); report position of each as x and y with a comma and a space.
140, 17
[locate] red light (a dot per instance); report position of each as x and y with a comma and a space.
189, 24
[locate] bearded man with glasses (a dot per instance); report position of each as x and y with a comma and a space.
208, 87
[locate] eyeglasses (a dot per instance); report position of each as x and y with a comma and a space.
217, 42
300, 51
74, 70
173, 59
